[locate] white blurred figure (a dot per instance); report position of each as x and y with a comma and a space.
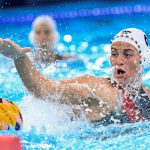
44, 36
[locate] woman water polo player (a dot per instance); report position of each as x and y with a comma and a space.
119, 99
44, 36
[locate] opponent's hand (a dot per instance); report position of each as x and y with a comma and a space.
10, 49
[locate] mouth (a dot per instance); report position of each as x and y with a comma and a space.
43, 43
120, 73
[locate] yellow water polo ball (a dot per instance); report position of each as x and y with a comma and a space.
10, 115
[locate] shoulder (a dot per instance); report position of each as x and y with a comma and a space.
146, 90
102, 86
92, 79
58, 57
63, 56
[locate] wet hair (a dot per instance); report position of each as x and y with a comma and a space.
47, 20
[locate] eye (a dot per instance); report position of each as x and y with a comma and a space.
128, 54
46, 32
114, 53
38, 32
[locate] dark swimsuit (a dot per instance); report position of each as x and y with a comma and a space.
142, 101
58, 57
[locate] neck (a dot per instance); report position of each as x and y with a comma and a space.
45, 55
132, 87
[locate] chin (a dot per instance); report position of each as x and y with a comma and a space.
125, 82
121, 81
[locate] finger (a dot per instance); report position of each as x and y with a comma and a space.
17, 47
8, 40
11, 42
1, 42
26, 49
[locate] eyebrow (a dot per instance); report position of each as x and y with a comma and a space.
131, 50
128, 49
113, 48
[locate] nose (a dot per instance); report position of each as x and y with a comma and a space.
43, 36
120, 60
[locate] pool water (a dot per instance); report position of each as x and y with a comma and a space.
47, 126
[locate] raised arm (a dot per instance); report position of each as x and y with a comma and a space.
87, 91
40, 86
82, 89
70, 90
67, 90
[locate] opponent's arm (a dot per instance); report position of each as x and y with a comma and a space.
67, 90
72, 91
35, 81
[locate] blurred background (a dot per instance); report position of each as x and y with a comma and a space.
92, 21
85, 27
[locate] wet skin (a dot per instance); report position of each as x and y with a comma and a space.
77, 91
124, 57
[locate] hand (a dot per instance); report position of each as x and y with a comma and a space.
10, 49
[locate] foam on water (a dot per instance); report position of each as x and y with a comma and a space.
50, 117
